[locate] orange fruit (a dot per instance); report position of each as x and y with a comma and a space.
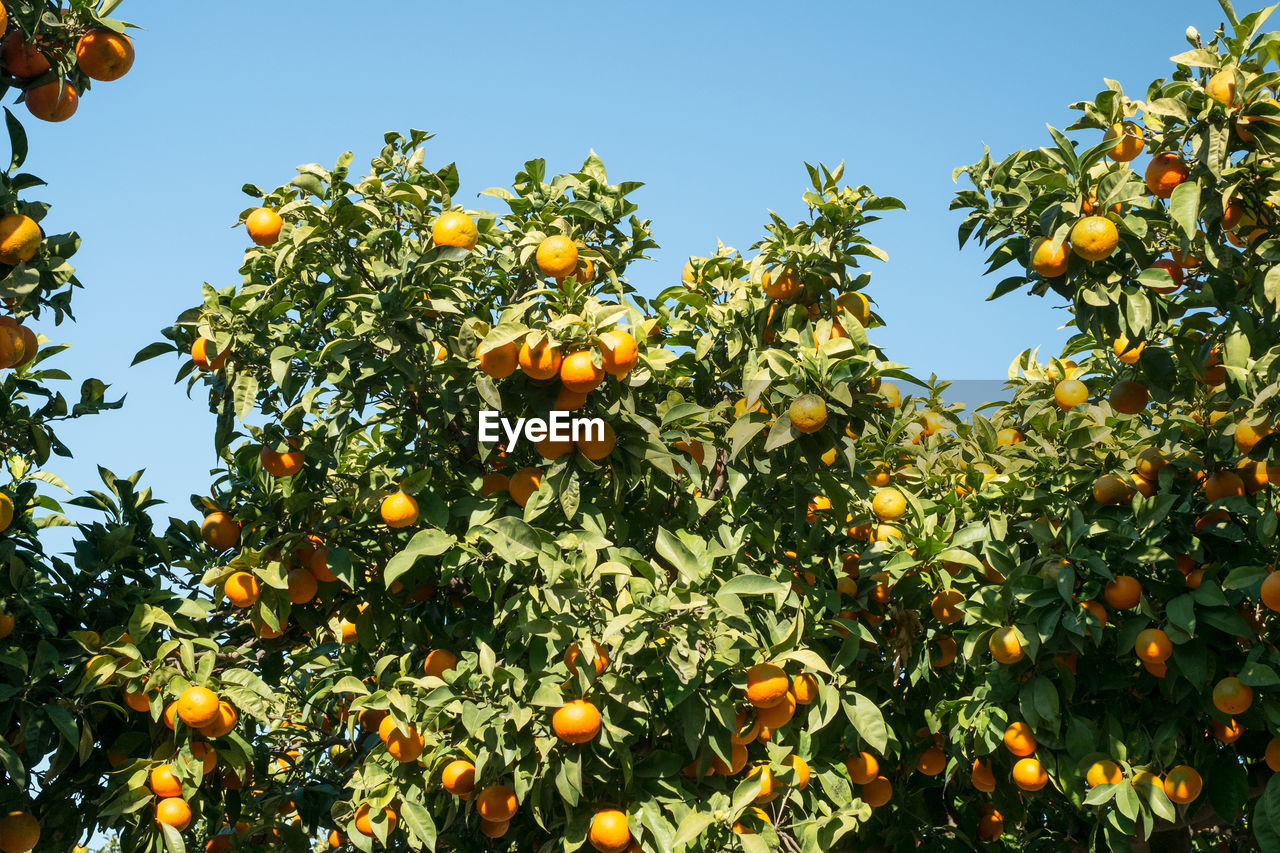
990, 824
523, 484
1048, 261
889, 504
22, 58
576, 721
1269, 595
1222, 87
1128, 138
1153, 644
1005, 646
1248, 435
1164, 173
163, 783
1070, 393
1029, 774
600, 663
398, 510
1008, 437
19, 832
1110, 490
1104, 772
496, 803
302, 586
1123, 593
1231, 696
541, 361
454, 228
20, 238
569, 401
1182, 784
777, 716
459, 778
755, 817
618, 352
737, 757
493, 483
206, 357
1128, 397
138, 700
609, 832
1272, 755
1149, 462
551, 450
781, 284
863, 768
578, 372
597, 449
769, 788
1127, 350
1019, 740
804, 687
104, 55
808, 413
877, 792
1094, 238
54, 101
767, 685
198, 706
747, 728
946, 650
439, 661
220, 531
279, 464
174, 811
982, 777
207, 756
242, 589
932, 761
1222, 485
404, 746
500, 361
1229, 732
263, 225
494, 829
365, 826
557, 256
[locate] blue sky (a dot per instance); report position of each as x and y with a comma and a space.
716, 106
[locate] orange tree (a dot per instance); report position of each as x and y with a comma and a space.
776, 604
68, 627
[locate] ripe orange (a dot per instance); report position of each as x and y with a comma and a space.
1227, 733
1123, 593
20, 238
1019, 740
755, 817
439, 661
137, 700
1183, 784
557, 256
459, 778
990, 823
204, 354
578, 372
1110, 490
777, 716
982, 777
946, 606
1149, 462
1153, 645
22, 58
494, 829
1094, 238
1029, 774
1248, 435
932, 761
1005, 645
1222, 87
877, 792
783, 284
163, 783
1270, 592
804, 687
398, 510
207, 755
572, 653
569, 401
523, 484
1231, 696
888, 504
1008, 437
1164, 173
402, 745
609, 832
541, 361
747, 729
737, 758
365, 826
493, 483
280, 464
1070, 393
767, 685
618, 352
19, 832
1127, 350
1104, 772
263, 225
500, 361
1272, 755
220, 531
552, 450
496, 803
198, 706
104, 55
946, 650
1128, 397
576, 721
1129, 142
1048, 261
1222, 485
597, 449
242, 589
808, 413
302, 586
174, 811
863, 768
455, 228
55, 101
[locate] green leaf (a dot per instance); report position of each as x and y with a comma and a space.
1184, 207
1266, 817
868, 720
17, 140
693, 825
425, 543
512, 539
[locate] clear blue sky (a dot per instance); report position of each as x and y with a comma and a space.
716, 106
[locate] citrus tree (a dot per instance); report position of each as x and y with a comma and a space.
775, 604
68, 623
